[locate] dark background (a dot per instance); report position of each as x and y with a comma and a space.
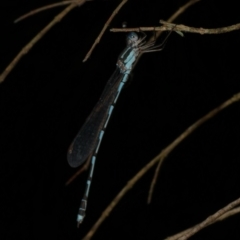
50, 93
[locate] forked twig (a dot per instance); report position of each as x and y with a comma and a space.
97, 40
220, 218
29, 45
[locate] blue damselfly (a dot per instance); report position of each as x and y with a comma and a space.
87, 142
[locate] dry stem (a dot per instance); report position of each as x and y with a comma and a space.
97, 40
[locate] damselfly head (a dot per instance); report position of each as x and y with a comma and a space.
132, 37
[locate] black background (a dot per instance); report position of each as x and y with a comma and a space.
50, 93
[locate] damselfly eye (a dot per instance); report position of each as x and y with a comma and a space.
132, 37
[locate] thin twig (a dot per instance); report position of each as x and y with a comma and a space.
210, 220
167, 26
35, 11
182, 9
29, 45
220, 218
159, 158
97, 40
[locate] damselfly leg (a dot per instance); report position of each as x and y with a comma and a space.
151, 47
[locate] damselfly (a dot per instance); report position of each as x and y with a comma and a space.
87, 142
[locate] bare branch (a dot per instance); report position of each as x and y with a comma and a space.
97, 40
